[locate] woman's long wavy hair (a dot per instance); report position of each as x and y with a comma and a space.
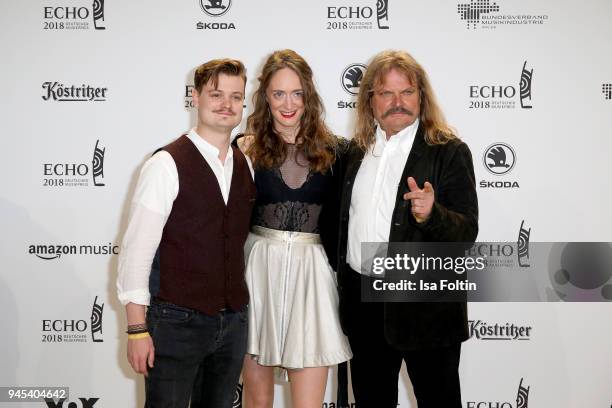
314, 140
431, 117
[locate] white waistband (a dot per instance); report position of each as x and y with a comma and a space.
285, 236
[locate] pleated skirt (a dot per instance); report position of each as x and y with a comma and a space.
293, 312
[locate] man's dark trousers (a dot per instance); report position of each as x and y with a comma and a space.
434, 372
197, 356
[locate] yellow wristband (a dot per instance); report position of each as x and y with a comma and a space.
138, 336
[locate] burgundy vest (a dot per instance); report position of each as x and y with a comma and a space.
201, 249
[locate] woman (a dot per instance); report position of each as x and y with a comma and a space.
293, 314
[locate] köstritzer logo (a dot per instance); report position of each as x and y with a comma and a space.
523, 245
57, 91
480, 330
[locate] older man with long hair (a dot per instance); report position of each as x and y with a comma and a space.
408, 178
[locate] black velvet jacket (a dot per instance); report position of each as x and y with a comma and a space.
454, 218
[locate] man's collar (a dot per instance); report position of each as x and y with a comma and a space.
405, 136
204, 146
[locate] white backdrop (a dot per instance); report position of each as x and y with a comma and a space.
141, 63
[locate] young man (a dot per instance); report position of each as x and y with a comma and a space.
408, 178
193, 201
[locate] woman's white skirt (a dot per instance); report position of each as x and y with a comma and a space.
293, 313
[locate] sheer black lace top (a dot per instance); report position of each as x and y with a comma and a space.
290, 197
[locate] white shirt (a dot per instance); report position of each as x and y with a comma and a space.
156, 190
375, 190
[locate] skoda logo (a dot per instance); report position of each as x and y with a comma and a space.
351, 78
215, 8
499, 158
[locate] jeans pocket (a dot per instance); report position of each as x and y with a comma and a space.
169, 313
243, 314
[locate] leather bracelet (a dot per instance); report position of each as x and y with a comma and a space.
137, 331
136, 327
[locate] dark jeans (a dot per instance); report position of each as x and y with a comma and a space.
375, 366
197, 357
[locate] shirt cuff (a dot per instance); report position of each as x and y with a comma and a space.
138, 296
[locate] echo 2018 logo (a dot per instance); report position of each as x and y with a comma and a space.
74, 17
214, 9
522, 400
62, 174
75, 330
358, 16
522, 244
491, 96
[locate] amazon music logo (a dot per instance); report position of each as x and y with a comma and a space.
350, 80
504, 96
79, 174
74, 17
50, 252
485, 14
